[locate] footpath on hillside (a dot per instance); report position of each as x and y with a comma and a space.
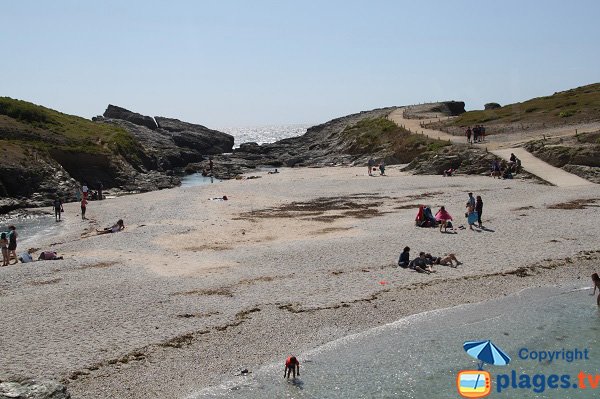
529, 162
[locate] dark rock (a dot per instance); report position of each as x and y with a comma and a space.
114, 112
590, 173
196, 137
464, 160
33, 389
250, 148
434, 110
492, 106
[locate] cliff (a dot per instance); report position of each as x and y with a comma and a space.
47, 153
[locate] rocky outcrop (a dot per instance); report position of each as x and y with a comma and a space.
33, 389
492, 106
321, 145
434, 110
34, 183
464, 160
196, 137
114, 112
579, 154
170, 143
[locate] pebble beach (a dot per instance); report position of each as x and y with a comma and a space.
196, 289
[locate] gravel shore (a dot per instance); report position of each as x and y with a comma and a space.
194, 290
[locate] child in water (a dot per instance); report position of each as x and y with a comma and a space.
596, 280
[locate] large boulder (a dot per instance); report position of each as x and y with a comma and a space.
114, 112
33, 389
492, 106
196, 137
466, 161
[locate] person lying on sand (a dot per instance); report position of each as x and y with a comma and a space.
420, 264
445, 261
272, 172
49, 255
112, 229
596, 280
291, 366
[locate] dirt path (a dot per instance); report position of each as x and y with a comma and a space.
541, 169
503, 146
414, 125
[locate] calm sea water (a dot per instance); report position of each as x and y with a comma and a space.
258, 134
30, 228
264, 134
420, 356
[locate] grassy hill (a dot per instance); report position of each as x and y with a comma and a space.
382, 137
28, 127
579, 105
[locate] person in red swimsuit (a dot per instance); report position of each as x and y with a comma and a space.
291, 366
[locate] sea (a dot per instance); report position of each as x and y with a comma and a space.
421, 356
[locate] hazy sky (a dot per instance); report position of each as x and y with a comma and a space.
251, 62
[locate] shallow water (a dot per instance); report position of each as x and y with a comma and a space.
420, 356
196, 179
30, 228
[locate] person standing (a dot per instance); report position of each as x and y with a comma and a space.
468, 134
84, 190
4, 246
370, 164
210, 165
471, 214
471, 201
100, 187
83, 207
479, 209
291, 366
78, 194
596, 281
58, 208
382, 167
12, 243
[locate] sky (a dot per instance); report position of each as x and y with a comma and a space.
225, 63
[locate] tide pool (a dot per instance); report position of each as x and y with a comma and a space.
420, 356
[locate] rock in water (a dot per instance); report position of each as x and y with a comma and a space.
33, 389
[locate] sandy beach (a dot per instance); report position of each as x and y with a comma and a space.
194, 290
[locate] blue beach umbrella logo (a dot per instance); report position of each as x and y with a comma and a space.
486, 352
478, 383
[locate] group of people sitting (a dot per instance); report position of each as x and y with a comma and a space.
425, 262
506, 170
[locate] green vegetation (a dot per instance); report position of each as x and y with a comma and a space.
31, 125
370, 136
578, 105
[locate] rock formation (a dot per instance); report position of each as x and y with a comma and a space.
33, 389
492, 106
114, 112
